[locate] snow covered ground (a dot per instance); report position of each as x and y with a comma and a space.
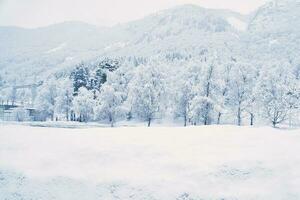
195, 163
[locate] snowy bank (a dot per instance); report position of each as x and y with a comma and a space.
213, 162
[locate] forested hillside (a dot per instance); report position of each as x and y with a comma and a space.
187, 64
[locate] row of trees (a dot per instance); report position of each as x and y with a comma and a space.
207, 90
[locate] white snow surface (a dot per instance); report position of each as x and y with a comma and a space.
213, 162
237, 23
61, 46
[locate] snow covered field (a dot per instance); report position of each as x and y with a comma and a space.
195, 163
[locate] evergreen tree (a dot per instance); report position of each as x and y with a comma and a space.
99, 79
80, 77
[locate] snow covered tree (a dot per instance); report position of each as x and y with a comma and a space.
223, 87
208, 87
109, 64
98, 79
64, 98
195, 95
83, 105
203, 80
146, 91
110, 104
120, 80
99, 74
46, 99
80, 77
182, 100
251, 104
241, 85
184, 82
199, 109
277, 94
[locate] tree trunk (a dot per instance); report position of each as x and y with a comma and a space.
185, 121
67, 115
239, 116
219, 118
274, 124
290, 118
73, 116
149, 122
111, 121
251, 119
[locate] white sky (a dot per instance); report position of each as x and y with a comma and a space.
35, 13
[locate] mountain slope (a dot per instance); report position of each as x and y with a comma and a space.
184, 31
32, 52
47, 47
275, 29
181, 28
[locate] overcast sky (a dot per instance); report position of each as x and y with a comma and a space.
35, 13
